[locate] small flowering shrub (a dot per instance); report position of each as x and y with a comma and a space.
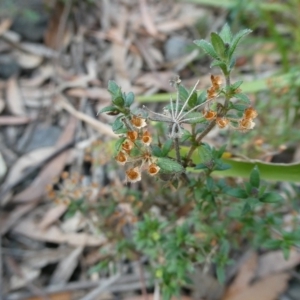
209, 217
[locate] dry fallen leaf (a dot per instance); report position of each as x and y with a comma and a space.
26, 60
28, 274
14, 99
274, 262
267, 272
147, 19
52, 215
66, 267
42, 74
57, 296
38, 97
58, 32
43, 257
4, 25
6, 222
245, 275
92, 93
3, 167
51, 170
16, 172
269, 288
14, 120
181, 21
53, 234
2, 104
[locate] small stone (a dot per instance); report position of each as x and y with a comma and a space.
8, 66
176, 47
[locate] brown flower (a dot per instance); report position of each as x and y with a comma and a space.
209, 115
216, 81
132, 135
222, 122
211, 93
121, 158
146, 138
250, 113
133, 174
127, 146
153, 169
246, 124
138, 122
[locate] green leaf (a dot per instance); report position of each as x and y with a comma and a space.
220, 274
236, 39
129, 99
202, 98
218, 44
226, 34
220, 166
209, 183
271, 197
183, 93
185, 136
232, 62
220, 64
193, 100
244, 98
168, 165
194, 118
119, 143
117, 124
286, 252
268, 171
156, 151
248, 188
119, 101
238, 107
237, 193
236, 85
113, 88
207, 47
272, 244
201, 166
246, 208
205, 153
221, 151
110, 108
262, 189
255, 177
167, 147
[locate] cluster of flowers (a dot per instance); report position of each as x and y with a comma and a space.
244, 123
135, 150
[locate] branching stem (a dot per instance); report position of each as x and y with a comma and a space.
212, 123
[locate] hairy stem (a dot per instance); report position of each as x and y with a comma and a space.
177, 150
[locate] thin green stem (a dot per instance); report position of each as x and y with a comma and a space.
177, 150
